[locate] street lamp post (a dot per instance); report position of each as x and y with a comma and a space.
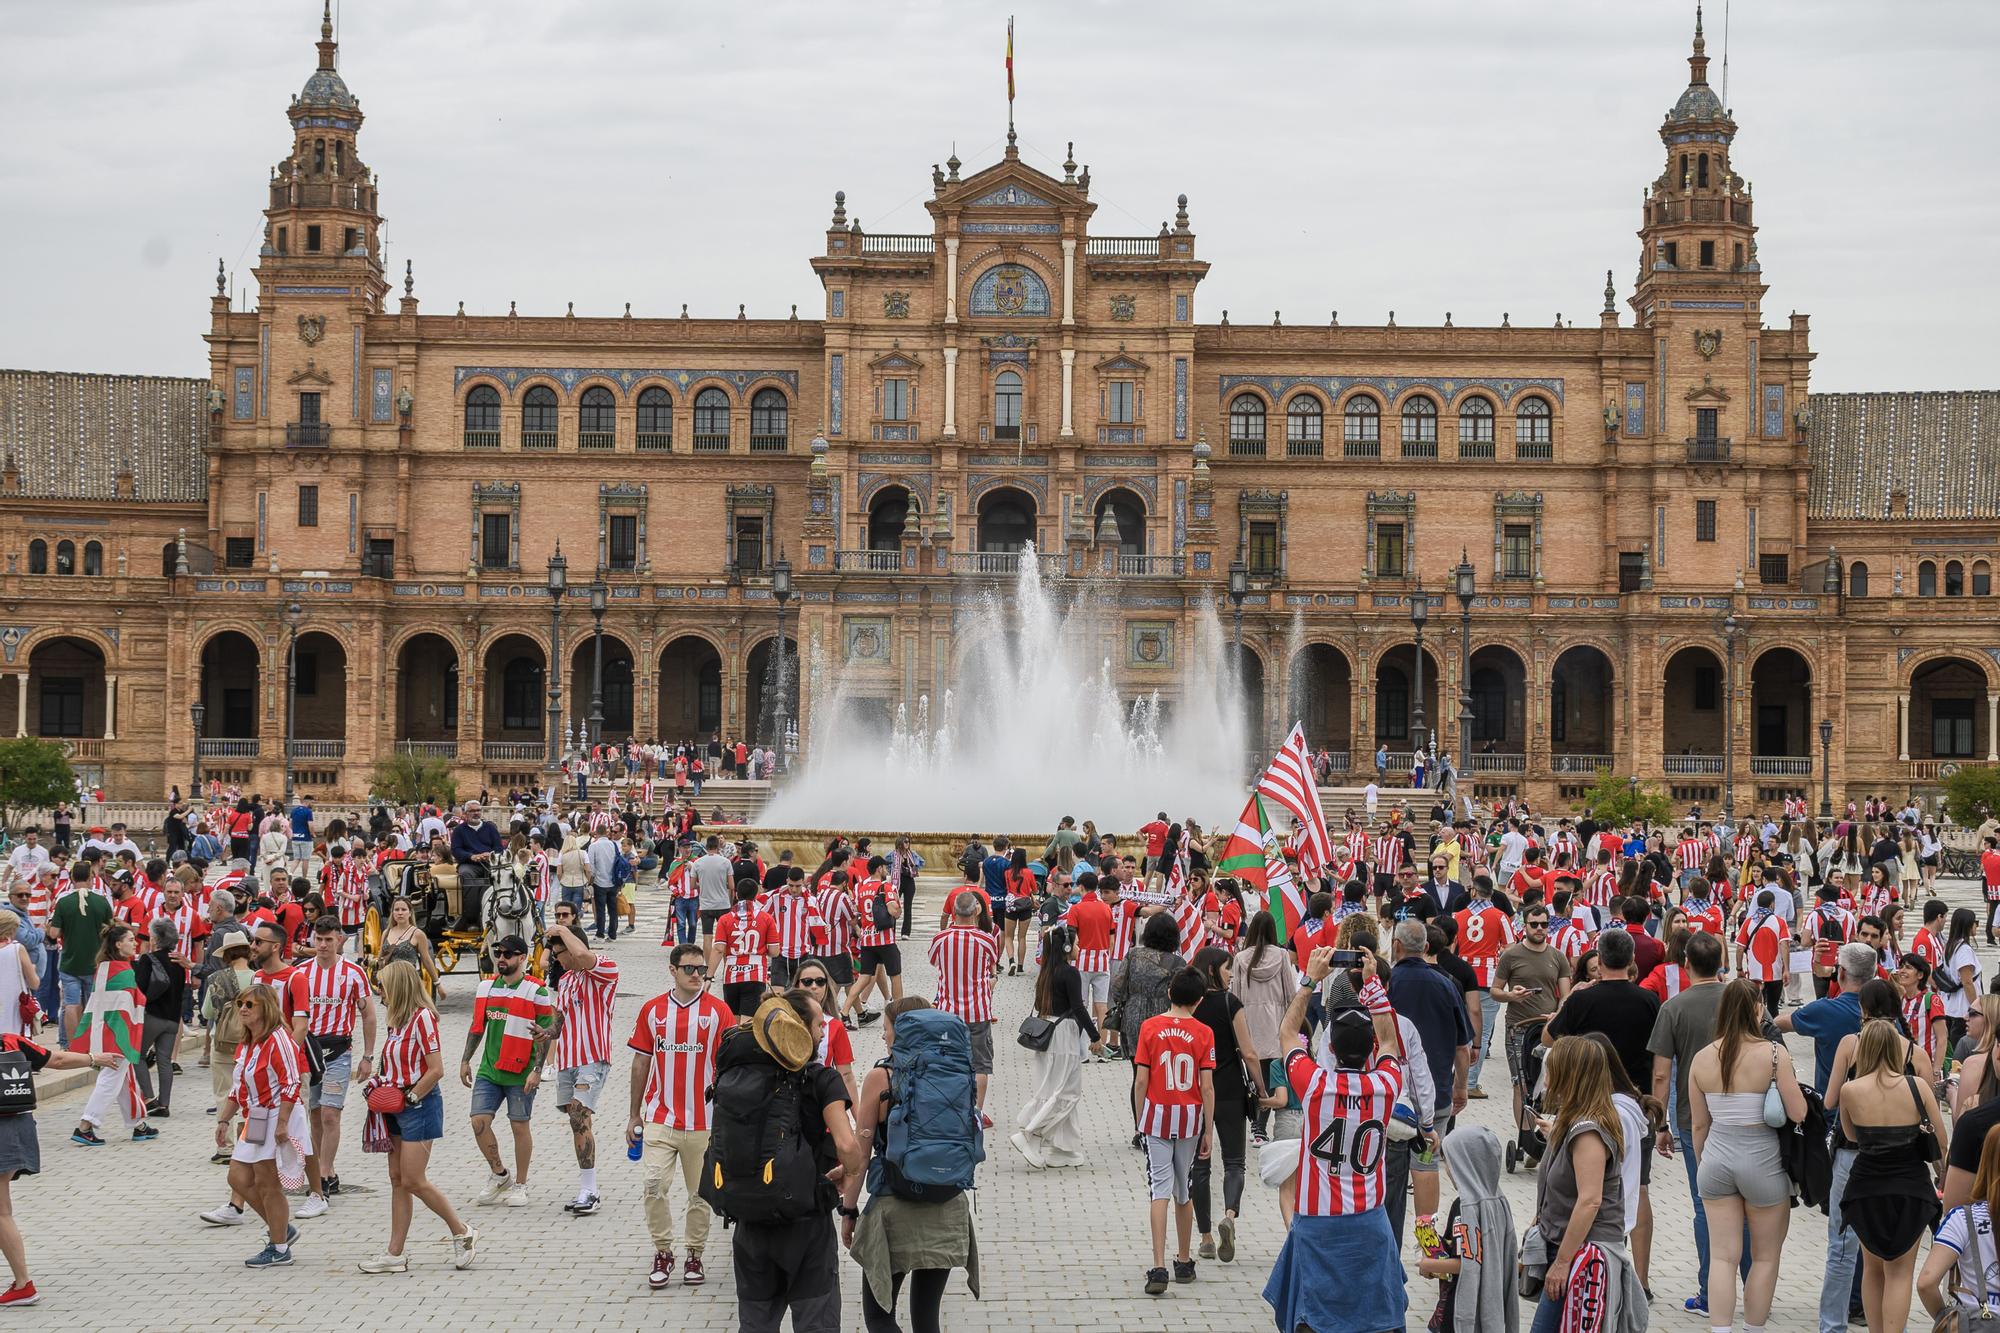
1239, 588
1464, 576
1420, 611
293, 613
1731, 627
600, 598
781, 592
558, 582
195, 712
1825, 768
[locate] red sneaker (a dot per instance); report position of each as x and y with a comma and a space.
691, 1274
21, 1293
663, 1270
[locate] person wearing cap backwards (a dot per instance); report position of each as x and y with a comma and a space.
513, 1021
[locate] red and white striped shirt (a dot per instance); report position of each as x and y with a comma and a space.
1564, 841
190, 928
268, 1071
584, 997
40, 900
1387, 853
1927, 947
1690, 853
742, 936
1091, 920
1599, 885
1174, 1050
148, 899
836, 910
964, 958
606, 820
1124, 925
542, 876
682, 1039
403, 1050
801, 928
1344, 1139
1569, 939
1746, 843
1763, 938
1482, 933
1921, 1015
866, 936
345, 885
329, 998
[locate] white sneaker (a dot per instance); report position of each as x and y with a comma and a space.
463, 1248
314, 1206
517, 1197
495, 1187
385, 1263
229, 1215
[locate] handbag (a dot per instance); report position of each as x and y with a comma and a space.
17, 1083
1532, 1267
386, 1098
1956, 1318
1036, 1032
1927, 1144
257, 1122
1774, 1101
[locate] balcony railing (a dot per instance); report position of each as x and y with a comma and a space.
482, 439
873, 562
1305, 448
79, 748
1399, 764
1479, 450
1708, 451
891, 243
1582, 764
1496, 763
307, 434
1420, 448
1933, 770
597, 439
318, 749
1337, 761
1122, 247
1246, 448
429, 749
711, 444
513, 752
538, 439
1693, 765
1001, 562
655, 442
222, 747
1152, 566
768, 444
1781, 766
1534, 451
1361, 448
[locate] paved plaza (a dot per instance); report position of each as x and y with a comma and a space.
1060, 1249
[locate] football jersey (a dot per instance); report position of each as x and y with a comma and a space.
1174, 1050
1703, 916
681, 1039
1345, 1136
1482, 933
742, 935
1764, 938
1091, 919
867, 934
584, 999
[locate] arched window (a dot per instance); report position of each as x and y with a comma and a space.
656, 419
1361, 428
65, 557
38, 556
1954, 579
1246, 424
1420, 428
538, 418
1007, 406
521, 695
1926, 579
1534, 433
1475, 428
482, 417
1857, 579
770, 418
1982, 579
711, 421
1304, 436
596, 419
93, 558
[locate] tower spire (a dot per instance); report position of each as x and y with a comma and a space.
328, 48
1698, 61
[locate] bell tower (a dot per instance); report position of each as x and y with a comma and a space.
321, 223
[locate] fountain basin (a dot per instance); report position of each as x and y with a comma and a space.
939, 850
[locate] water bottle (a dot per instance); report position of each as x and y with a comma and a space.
634, 1149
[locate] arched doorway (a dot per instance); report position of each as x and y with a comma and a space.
1323, 696
764, 694
1498, 687
1781, 716
1395, 679
66, 697
517, 691
690, 690
1580, 722
427, 689
1119, 522
229, 677
1247, 670
1006, 520
319, 688
619, 676
892, 513
1691, 699
1948, 711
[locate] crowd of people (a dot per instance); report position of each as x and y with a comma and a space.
1322, 1044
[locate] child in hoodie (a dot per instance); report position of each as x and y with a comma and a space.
1477, 1267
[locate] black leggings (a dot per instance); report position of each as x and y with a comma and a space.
1992, 909
1230, 1126
926, 1295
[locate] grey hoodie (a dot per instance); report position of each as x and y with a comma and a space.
1486, 1302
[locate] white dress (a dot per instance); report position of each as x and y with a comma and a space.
1051, 1133
13, 985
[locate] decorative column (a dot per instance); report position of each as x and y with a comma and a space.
951, 384
1903, 727
1992, 721
110, 708
1069, 381
21, 712
1069, 281
950, 296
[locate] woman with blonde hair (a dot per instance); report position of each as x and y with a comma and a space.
1977, 1079
1890, 1201
268, 1091
1580, 1192
412, 1067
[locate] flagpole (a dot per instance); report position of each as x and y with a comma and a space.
1010, 81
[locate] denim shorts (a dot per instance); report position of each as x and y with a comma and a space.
419, 1122
76, 989
487, 1096
331, 1090
585, 1084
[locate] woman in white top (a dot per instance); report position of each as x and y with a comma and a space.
1930, 852
272, 848
17, 976
1963, 1246
1961, 962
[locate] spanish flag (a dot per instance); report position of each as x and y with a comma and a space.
1010, 60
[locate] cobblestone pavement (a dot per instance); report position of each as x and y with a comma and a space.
114, 1242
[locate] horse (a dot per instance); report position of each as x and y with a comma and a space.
508, 909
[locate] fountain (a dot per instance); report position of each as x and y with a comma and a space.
1032, 727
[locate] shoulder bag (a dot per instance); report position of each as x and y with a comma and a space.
1036, 1032
1926, 1144
1956, 1317
17, 1082
1774, 1101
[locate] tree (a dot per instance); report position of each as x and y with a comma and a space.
34, 775
1616, 800
1971, 794
409, 778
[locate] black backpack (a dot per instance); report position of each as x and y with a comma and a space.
760, 1166
1807, 1152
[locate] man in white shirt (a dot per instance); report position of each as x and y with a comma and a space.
713, 874
29, 856
1513, 850
429, 827
1371, 794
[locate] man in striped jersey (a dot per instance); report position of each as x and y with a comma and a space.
323, 998
802, 930
582, 1050
965, 959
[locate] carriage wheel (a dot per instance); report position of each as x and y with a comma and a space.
447, 957
371, 936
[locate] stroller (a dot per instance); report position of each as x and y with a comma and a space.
1529, 1143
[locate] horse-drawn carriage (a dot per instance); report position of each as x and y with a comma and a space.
461, 909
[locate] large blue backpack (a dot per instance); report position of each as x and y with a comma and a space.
930, 1141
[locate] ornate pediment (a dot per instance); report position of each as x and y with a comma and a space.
1708, 391
1121, 365
312, 374
894, 361
1010, 196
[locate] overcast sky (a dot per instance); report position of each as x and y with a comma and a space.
1475, 156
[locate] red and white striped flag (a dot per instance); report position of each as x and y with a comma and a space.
1289, 782
1300, 846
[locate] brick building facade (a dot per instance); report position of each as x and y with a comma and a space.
1682, 560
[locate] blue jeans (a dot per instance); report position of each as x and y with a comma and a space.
603, 908
1489, 1019
574, 897
1843, 1252
1548, 1316
1686, 1137
686, 923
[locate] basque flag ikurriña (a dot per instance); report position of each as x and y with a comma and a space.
1254, 856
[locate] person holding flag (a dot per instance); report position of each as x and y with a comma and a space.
108, 1034
1255, 857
